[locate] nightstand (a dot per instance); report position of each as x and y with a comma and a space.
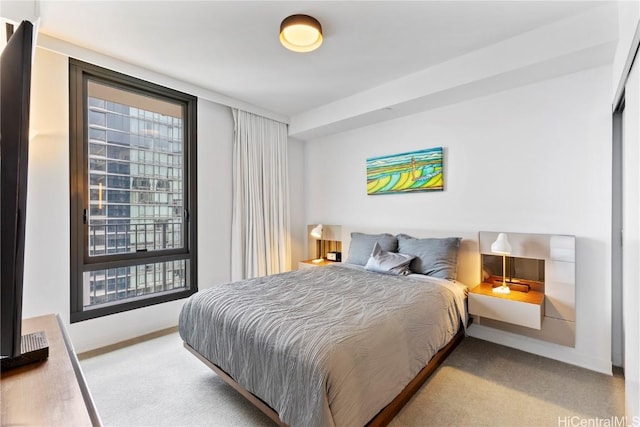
310, 264
518, 308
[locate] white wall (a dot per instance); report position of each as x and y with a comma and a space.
535, 159
47, 276
628, 21
631, 241
47, 246
296, 151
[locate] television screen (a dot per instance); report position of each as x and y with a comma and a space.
15, 92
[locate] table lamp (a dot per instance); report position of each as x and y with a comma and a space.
502, 247
316, 233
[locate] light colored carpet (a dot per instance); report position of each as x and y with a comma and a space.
159, 383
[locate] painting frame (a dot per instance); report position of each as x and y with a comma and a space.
412, 171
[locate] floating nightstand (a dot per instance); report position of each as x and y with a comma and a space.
543, 265
517, 308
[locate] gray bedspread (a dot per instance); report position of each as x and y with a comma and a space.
327, 346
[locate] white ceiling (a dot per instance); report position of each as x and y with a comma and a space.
232, 47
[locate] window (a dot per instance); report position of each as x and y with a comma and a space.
133, 192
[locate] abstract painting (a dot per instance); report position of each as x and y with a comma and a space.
401, 173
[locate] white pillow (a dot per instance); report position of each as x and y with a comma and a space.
385, 262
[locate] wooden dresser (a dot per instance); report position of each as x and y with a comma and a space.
52, 392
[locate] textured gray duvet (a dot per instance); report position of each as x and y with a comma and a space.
327, 346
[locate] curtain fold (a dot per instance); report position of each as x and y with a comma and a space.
260, 238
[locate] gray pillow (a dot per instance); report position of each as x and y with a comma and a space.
362, 244
433, 257
386, 262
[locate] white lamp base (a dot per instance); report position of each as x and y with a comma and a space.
318, 261
502, 290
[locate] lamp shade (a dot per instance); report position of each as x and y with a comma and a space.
301, 33
501, 245
316, 232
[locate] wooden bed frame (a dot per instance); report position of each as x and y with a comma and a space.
383, 417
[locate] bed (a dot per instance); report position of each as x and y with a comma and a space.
342, 345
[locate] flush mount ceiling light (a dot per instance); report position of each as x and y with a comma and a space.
300, 33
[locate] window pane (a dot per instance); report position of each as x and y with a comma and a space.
97, 134
97, 118
98, 150
97, 165
129, 182
115, 284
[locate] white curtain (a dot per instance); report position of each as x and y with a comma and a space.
260, 239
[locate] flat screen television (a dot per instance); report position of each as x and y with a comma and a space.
15, 92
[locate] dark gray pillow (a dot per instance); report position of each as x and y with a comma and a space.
387, 262
362, 244
433, 257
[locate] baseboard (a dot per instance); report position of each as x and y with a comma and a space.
126, 343
541, 348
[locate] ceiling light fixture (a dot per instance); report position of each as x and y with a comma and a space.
300, 33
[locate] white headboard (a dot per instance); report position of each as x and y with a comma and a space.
468, 254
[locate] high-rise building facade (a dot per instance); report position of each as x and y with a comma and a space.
136, 198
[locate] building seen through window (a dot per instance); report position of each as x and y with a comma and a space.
135, 167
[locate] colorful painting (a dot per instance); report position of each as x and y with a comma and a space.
400, 173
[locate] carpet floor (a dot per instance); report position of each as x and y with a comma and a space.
159, 383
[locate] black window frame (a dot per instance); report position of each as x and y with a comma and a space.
79, 74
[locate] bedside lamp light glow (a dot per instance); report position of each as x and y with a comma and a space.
316, 233
502, 247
